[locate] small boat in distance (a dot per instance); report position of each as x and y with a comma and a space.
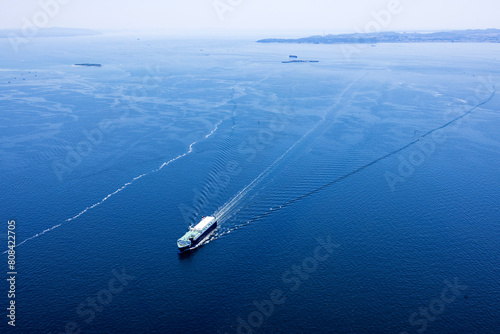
196, 234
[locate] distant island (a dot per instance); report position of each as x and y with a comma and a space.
89, 65
300, 61
457, 36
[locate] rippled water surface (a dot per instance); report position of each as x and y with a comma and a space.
390, 157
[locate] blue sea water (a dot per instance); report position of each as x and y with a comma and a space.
104, 168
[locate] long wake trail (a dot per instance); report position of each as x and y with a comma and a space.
190, 150
220, 214
351, 173
223, 212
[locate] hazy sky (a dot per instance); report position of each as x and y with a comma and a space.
232, 15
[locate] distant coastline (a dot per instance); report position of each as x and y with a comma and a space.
457, 36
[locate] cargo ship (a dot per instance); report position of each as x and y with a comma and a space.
197, 233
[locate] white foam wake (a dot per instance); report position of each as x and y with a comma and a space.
226, 208
118, 190
225, 212
215, 129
